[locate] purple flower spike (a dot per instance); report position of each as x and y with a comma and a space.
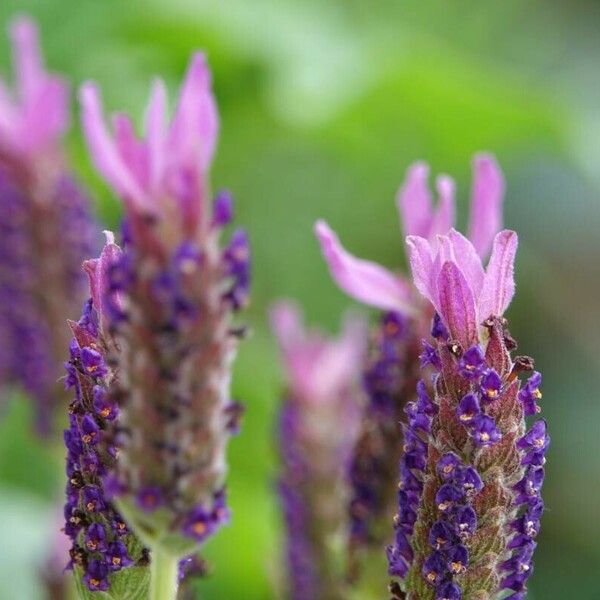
318, 426
46, 229
167, 298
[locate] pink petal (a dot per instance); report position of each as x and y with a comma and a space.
486, 202
337, 365
104, 152
363, 280
414, 201
286, 324
155, 129
132, 151
499, 283
46, 116
457, 305
445, 214
422, 266
194, 130
29, 66
467, 260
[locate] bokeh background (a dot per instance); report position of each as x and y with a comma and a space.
324, 105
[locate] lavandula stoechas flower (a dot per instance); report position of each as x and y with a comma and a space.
101, 542
174, 339
471, 473
46, 229
318, 423
393, 366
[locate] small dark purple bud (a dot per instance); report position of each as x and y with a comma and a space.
471, 363
442, 535
149, 498
484, 431
117, 556
430, 356
536, 439
438, 329
466, 521
96, 575
434, 568
490, 386
530, 394
222, 208
93, 362
457, 559
103, 407
92, 498
469, 479
448, 495
397, 565
468, 409
447, 465
449, 590
95, 538
424, 403
89, 430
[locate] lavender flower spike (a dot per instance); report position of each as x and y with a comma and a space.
46, 229
392, 369
317, 429
172, 292
471, 475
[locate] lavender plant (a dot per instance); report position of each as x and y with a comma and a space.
46, 229
318, 424
471, 473
163, 308
392, 370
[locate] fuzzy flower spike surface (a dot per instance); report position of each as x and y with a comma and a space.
165, 302
46, 228
471, 473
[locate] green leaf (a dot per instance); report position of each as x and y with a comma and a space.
132, 583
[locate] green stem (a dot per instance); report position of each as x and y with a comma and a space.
163, 575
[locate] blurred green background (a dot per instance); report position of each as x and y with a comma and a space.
323, 106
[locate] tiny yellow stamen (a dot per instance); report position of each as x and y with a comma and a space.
444, 505
116, 560
466, 416
199, 528
448, 469
456, 567
492, 393
431, 576
485, 436
537, 394
94, 582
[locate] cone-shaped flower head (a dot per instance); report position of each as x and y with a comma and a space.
471, 474
167, 300
46, 229
317, 429
392, 369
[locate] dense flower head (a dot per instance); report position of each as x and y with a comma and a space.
317, 427
46, 229
469, 503
166, 301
